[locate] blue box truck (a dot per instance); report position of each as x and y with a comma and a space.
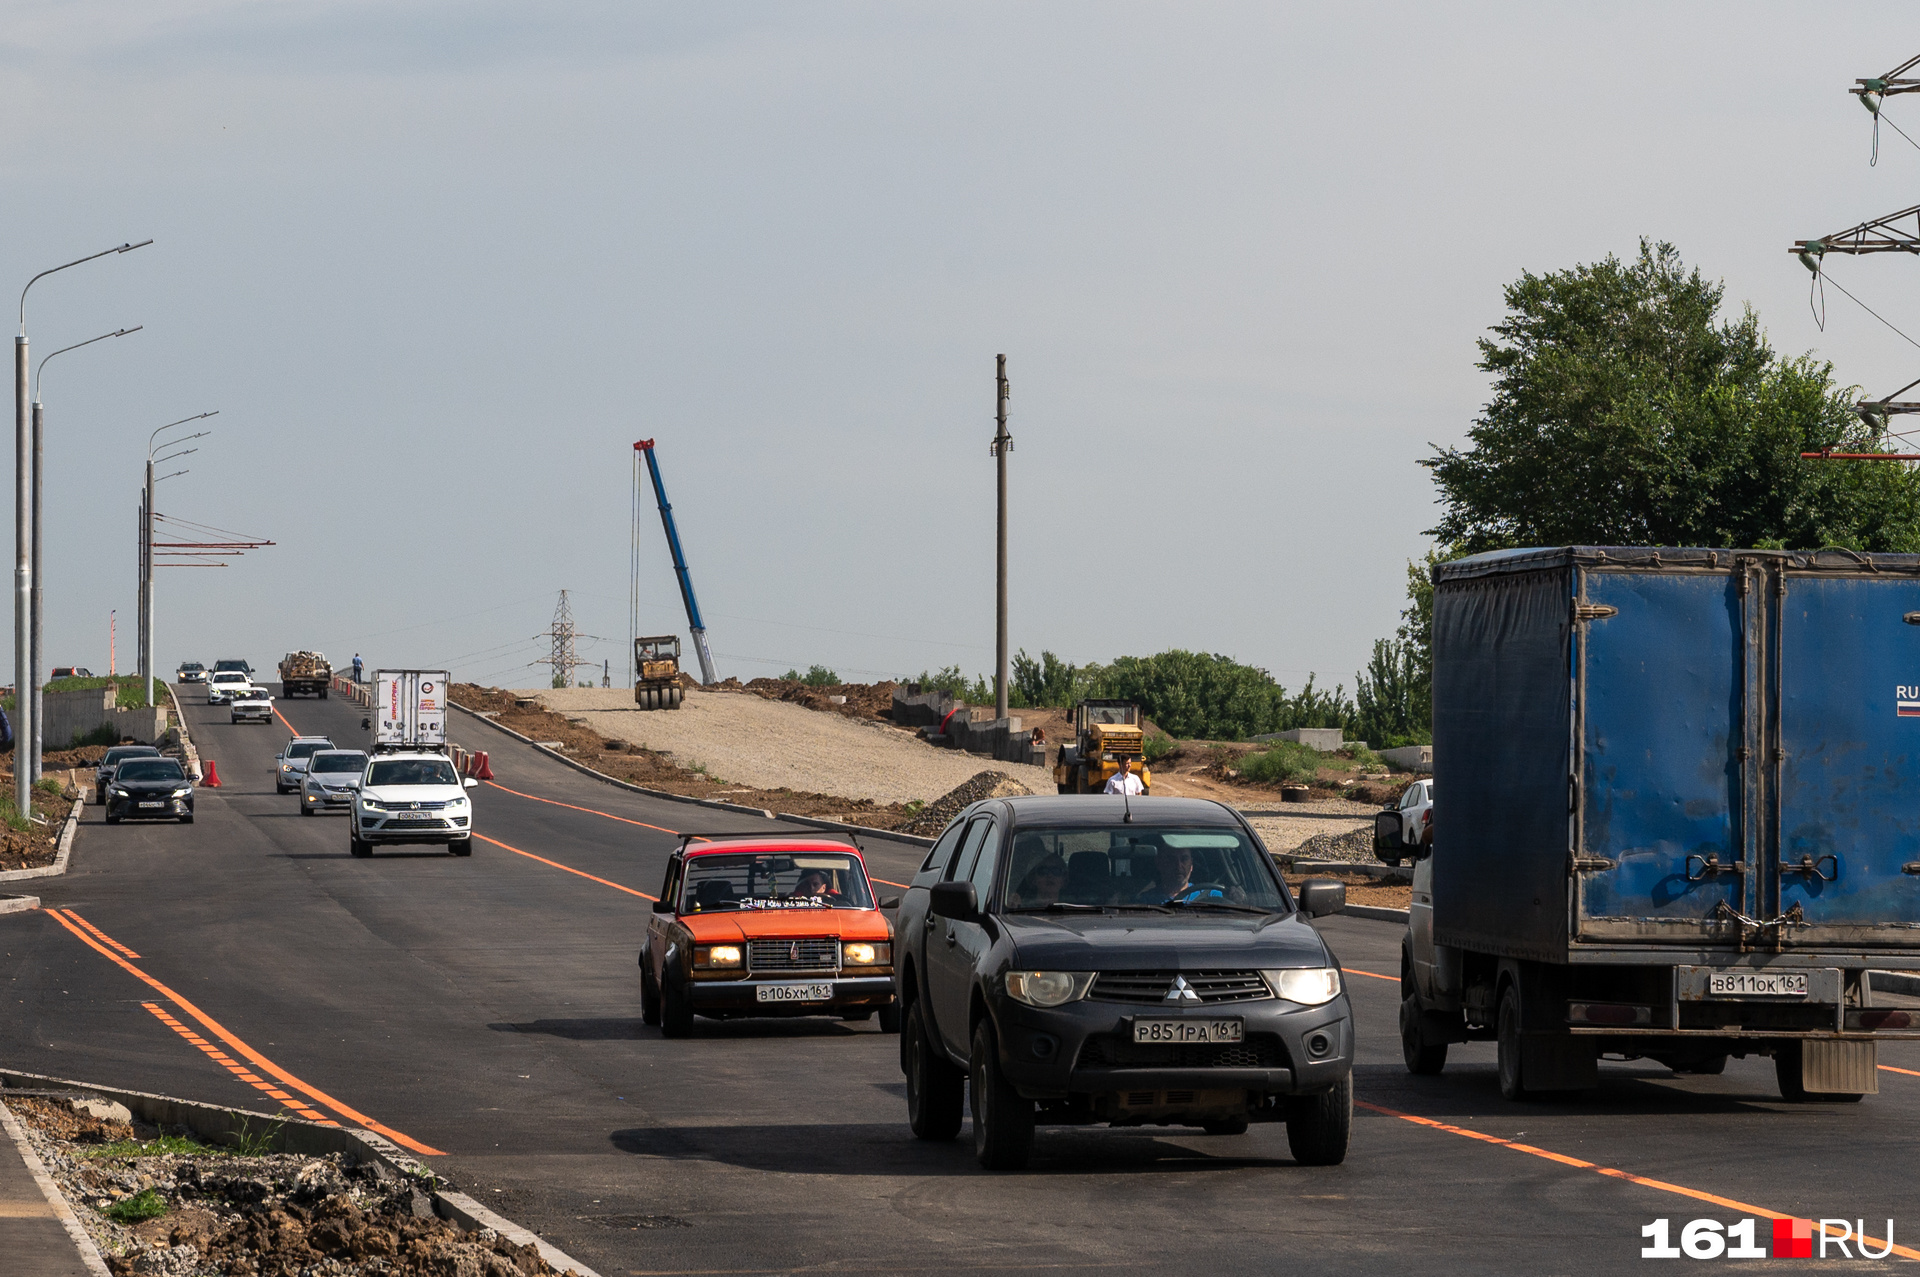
1676, 814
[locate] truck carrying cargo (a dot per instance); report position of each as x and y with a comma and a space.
1676, 814
410, 709
305, 674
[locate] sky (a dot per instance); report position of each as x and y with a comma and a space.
438, 266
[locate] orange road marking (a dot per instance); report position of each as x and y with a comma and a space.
225, 1061
283, 720
569, 868
887, 882
1888, 1068
1375, 974
218, 1030
101, 934
1658, 1184
590, 811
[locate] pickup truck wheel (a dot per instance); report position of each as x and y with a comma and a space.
1512, 1085
1002, 1117
649, 997
934, 1087
1319, 1126
676, 1011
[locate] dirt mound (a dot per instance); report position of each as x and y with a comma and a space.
932, 818
170, 1207
1355, 844
862, 700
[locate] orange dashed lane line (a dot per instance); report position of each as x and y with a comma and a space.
234, 1067
1659, 1185
283, 721
258, 1060
103, 936
569, 868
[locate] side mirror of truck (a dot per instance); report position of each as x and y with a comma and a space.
890, 902
366, 724
662, 906
954, 900
1319, 897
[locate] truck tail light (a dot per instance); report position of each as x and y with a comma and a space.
1872, 1019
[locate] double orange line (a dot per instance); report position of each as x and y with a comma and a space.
112, 950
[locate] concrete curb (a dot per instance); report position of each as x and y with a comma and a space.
61, 854
19, 904
713, 803
1375, 913
89, 1253
186, 741
215, 1124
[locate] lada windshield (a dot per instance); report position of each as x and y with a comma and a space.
338, 762
1141, 866
774, 880
149, 769
413, 771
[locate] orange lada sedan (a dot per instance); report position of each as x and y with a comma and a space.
767, 926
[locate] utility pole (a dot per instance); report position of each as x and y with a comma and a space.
146, 588
1002, 445
36, 744
23, 670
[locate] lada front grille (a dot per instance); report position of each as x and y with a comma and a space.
1150, 988
1118, 1051
818, 954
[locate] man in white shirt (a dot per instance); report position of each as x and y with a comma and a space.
1124, 781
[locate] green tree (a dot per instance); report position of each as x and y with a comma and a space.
816, 676
1626, 412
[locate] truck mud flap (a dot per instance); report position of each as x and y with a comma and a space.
1840, 1068
1559, 1062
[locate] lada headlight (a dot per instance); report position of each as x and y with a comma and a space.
859, 953
1309, 986
716, 955
1048, 988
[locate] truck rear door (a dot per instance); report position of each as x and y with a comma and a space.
1659, 687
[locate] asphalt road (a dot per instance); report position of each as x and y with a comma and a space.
487, 1009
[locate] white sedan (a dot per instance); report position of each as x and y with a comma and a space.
251, 705
225, 684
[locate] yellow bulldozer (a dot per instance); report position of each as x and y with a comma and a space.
1104, 732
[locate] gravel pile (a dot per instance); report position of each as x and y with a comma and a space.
990, 784
166, 1207
1354, 844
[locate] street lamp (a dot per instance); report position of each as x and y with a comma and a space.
37, 731
23, 534
146, 537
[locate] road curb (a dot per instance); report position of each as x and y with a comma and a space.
62, 1210
214, 1122
713, 803
1375, 913
62, 851
19, 904
186, 740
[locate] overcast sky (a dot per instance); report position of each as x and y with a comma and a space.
439, 265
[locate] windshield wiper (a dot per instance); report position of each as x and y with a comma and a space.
1060, 906
1218, 904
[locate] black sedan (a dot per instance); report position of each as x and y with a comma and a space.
1075, 960
115, 756
150, 788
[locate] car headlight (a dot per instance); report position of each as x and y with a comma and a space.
716, 955
861, 954
286, 767
1048, 988
117, 792
1309, 986
456, 802
372, 804
181, 793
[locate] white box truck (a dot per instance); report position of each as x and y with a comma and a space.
410, 709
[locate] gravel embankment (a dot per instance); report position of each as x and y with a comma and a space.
775, 745
1330, 839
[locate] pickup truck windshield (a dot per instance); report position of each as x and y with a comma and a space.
413, 771
338, 762
1141, 865
149, 769
763, 880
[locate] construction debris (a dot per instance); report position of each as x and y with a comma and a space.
932, 818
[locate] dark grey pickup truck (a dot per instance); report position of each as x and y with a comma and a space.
1083, 959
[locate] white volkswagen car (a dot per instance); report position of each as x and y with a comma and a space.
413, 797
224, 684
250, 705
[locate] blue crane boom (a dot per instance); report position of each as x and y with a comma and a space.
645, 446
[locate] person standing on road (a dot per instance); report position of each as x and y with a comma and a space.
1124, 781
356, 667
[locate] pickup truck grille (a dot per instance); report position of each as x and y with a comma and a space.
1149, 988
819, 954
1118, 1051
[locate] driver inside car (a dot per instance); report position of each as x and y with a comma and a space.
812, 883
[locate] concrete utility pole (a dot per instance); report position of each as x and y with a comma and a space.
1002, 445
146, 534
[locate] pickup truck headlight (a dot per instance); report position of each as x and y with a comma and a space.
859, 953
1309, 986
1048, 988
716, 955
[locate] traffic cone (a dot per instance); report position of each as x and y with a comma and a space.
212, 780
481, 770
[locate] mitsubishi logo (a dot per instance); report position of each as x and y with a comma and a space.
1181, 991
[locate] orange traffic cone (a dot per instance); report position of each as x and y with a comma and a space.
212, 780
480, 770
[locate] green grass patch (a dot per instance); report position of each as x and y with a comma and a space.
1157, 746
1286, 762
143, 1205
160, 1146
131, 692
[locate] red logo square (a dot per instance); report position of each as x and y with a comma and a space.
1793, 1239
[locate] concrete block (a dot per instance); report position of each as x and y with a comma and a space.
1411, 758
1324, 739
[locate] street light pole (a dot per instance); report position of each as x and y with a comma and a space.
23, 706
1002, 445
38, 732
146, 544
